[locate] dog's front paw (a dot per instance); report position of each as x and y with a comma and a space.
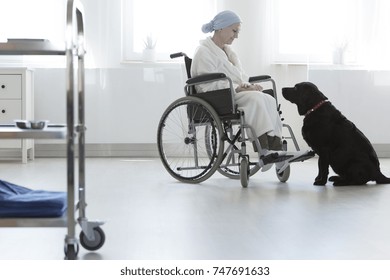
320, 181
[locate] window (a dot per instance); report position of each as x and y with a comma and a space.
173, 25
31, 19
326, 31
309, 31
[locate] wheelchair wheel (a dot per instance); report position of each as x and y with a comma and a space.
244, 172
189, 140
284, 175
230, 165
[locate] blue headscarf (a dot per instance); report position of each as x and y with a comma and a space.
220, 21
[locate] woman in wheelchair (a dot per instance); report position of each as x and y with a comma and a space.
204, 132
214, 55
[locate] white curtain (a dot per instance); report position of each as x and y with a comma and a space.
378, 48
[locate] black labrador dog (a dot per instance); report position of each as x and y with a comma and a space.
335, 139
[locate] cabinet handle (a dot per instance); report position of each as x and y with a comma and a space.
2, 86
3, 111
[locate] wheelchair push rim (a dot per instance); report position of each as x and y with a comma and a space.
189, 140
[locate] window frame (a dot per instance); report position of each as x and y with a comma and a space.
128, 54
310, 56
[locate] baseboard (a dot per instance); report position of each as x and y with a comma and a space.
382, 150
122, 150
91, 150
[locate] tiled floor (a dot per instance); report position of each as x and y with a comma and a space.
149, 215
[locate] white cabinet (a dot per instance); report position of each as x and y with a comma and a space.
17, 103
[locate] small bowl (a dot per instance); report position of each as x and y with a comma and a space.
38, 124
23, 124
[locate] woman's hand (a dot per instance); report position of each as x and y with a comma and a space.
249, 87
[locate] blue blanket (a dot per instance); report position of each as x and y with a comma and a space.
18, 201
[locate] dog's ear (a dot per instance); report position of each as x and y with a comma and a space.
304, 97
312, 88
321, 94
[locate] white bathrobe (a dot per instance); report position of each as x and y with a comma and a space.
260, 109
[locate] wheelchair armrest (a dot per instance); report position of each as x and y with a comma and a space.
266, 78
206, 78
259, 78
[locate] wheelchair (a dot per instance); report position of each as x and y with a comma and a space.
202, 133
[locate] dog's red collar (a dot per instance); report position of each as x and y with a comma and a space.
316, 107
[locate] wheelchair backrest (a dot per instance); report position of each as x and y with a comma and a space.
220, 100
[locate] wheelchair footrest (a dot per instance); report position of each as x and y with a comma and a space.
275, 157
304, 157
296, 158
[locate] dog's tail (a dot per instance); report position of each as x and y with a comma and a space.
382, 179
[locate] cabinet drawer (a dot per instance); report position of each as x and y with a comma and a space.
10, 110
10, 86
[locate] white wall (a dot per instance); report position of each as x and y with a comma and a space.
123, 105
362, 96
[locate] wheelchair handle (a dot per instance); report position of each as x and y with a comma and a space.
179, 54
